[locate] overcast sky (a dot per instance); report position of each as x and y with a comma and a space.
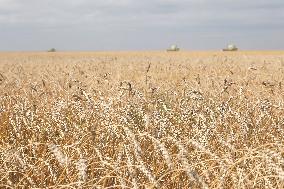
140, 24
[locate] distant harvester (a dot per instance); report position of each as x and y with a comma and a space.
52, 50
231, 47
173, 48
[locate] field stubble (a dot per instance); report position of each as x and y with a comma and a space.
142, 120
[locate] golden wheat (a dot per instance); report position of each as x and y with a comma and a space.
142, 120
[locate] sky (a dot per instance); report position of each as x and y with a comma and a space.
99, 25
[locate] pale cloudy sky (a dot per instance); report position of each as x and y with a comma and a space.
140, 24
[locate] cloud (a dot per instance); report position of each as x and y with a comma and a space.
133, 24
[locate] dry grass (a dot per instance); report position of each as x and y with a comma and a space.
142, 120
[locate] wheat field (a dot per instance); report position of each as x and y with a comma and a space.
142, 120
